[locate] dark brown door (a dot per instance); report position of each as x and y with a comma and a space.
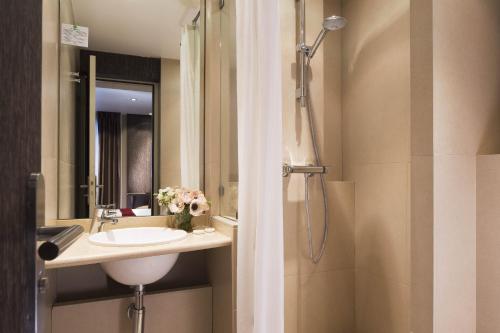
20, 110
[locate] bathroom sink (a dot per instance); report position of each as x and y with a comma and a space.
137, 236
139, 271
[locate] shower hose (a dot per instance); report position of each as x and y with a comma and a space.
314, 257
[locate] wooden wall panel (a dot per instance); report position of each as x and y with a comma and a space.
20, 110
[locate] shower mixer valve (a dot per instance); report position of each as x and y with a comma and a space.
306, 169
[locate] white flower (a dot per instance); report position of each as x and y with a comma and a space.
186, 197
198, 207
176, 206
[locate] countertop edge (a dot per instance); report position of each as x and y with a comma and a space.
122, 253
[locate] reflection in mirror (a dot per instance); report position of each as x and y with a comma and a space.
130, 105
124, 141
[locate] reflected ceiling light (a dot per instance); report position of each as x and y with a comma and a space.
133, 99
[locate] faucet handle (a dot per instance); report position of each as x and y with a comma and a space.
109, 206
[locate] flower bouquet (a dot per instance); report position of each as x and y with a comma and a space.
184, 204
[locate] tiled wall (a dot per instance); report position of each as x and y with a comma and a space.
422, 190
466, 123
318, 298
376, 157
488, 244
50, 101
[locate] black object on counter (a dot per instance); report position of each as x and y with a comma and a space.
56, 240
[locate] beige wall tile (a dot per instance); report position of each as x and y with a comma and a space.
66, 204
50, 94
49, 171
376, 83
320, 302
467, 77
292, 302
327, 302
381, 305
421, 77
487, 244
382, 220
422, 244
454, 243
339, 252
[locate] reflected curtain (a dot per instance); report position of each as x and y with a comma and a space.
260, 272
109, 131
190, 107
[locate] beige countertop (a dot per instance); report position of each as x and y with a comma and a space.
82, 252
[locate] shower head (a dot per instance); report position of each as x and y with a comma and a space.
334, 23
331, 23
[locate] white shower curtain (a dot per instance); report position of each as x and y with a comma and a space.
260, 304
190, 107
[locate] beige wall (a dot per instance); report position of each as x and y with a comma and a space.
376, 156
170, 168
68, 62
50, 101
466, 123
488, 245
318, 298
422, 195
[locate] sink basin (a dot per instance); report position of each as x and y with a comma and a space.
139, 271
137, 236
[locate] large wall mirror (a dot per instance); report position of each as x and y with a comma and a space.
130, 103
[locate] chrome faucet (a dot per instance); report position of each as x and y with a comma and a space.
107, 216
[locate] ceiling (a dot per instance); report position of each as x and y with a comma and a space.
118, 97
148, 28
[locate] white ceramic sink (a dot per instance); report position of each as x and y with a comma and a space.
139, 270
137, 236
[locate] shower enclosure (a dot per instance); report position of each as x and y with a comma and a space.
346, 198
346, 135
305, 54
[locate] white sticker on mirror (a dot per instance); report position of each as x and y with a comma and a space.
74, 35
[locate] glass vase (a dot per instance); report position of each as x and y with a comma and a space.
183, 220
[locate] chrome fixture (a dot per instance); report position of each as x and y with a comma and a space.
305, 54
55, 240
74, 77
136, 311
108, 215
195, 20
306, 169
331, 23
